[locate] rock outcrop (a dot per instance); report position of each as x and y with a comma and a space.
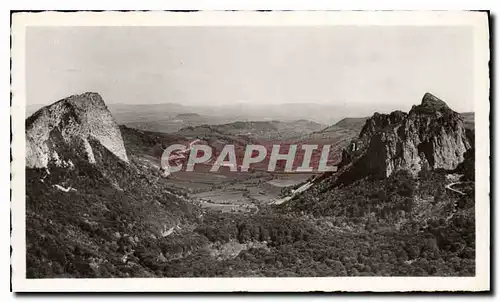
70, 127
431, 135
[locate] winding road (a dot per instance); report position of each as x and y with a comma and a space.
448, 186
301, 189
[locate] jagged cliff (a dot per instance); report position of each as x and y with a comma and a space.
93, 211
431, 135
69, 127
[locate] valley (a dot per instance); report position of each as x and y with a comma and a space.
375, 216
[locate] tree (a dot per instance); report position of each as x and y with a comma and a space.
425, 172
402, 183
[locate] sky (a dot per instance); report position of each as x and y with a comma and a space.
359, 65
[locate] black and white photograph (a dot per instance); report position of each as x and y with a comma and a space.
232, 151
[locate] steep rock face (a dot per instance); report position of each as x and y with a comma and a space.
430, 135
68, 127
374, 125
379, 122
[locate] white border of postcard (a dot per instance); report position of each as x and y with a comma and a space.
476, 20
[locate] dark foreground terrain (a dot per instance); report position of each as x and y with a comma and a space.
143, 230
136, 225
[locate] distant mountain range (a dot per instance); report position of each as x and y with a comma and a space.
165, 117
171, 117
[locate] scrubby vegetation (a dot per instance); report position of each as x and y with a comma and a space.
432, 225
317, 247
89, 220
116, 227
368, 229
115, 219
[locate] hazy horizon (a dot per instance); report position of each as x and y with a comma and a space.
363, 67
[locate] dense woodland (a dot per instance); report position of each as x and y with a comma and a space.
114, 219
370, 228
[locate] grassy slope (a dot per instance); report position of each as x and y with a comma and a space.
117, 209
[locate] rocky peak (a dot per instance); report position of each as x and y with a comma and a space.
430, 105
430, 135
68, 128
431, 101
379, 122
